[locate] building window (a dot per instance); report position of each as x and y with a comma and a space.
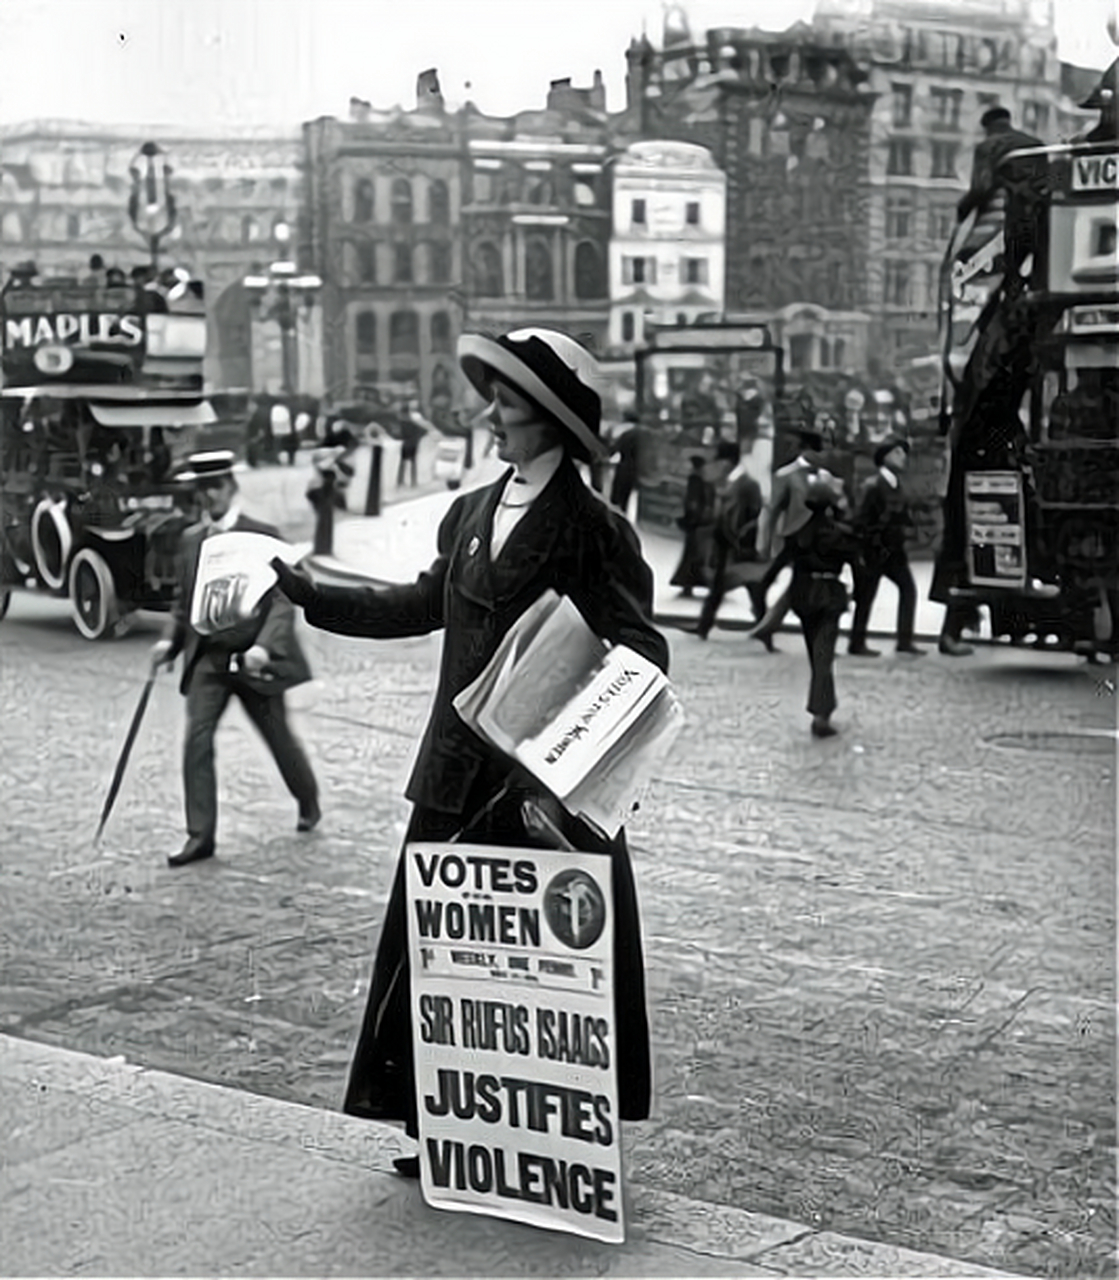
363, 201
637, 212
483, 187
402, 264
539, 283
401, 201
691, 213
73, 226
367, 263
590, 279
681, 317
695, 270
942, 223
944, 159
639, 270
902, 103
946, 108
438, 203
440, 333
800, 351
11, 229
627, 326
366, 333
838, 351
250, 231
899, 158
440, 263
897, 283
586, 195
404, 334
1035, 118
488, 276
899, 217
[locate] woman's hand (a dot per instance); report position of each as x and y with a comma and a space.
296, 584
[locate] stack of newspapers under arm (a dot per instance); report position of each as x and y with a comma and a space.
590, 720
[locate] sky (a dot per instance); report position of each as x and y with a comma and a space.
280, 62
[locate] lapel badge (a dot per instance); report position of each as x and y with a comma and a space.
473, 545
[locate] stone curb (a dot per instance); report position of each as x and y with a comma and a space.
712, 1234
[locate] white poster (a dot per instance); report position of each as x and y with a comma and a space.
513, 1029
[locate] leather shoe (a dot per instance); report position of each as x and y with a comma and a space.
954, 648
309, 817
864, 651
822, 728
195, 849
912, 649
757, 599
407, 1166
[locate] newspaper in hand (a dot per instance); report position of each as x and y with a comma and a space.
588, 720
233, 576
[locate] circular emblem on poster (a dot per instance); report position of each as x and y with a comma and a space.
54, 360
575, 909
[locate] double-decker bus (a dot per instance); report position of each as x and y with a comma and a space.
101, 386
1030, 350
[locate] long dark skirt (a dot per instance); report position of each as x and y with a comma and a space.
694, 569
381, 1084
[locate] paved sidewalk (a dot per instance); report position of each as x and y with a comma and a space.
401, 541
111, 1169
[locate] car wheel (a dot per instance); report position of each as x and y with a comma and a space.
93, 597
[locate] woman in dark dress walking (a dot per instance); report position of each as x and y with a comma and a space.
697, 522
499, 548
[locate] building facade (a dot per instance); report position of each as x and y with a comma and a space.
382, 218
787, 117
668, 245
64, 195
536, 223
935, 67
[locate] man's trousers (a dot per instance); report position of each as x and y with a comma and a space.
206, 700
867, 577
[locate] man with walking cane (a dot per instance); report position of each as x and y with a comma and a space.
257, 660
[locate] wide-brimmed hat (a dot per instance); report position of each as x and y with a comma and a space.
887, 447
554, 371
215, 464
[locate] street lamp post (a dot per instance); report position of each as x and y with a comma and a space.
279, 295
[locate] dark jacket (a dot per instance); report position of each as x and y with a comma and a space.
273, 627
985, 176
883, 520
819, 550
568, 540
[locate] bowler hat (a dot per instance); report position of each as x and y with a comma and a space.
551, 369
992, 114
887, 447
216, 464
808, 439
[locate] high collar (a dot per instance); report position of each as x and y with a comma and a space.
227, 521
889, 476
524, 484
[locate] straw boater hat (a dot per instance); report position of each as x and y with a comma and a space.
213, 465
554, 371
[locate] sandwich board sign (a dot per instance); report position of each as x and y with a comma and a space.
512, 997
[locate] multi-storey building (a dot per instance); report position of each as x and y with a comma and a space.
667, 251
936, 66
384, 199
536, 218
64, 193
787, 117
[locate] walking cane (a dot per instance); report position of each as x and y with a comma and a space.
126, 751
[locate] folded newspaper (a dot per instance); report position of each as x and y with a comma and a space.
234, 575
589, 720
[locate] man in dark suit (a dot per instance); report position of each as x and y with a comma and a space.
1000, 139
256, 660
539, 526
882, 524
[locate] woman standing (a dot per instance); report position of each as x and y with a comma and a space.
697, 522
499, 548
818, 551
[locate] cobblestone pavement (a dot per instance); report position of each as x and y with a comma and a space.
881, 967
